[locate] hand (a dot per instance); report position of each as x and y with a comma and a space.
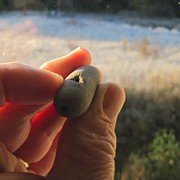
30, 128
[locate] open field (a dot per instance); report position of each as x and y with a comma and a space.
137, 56
144, 59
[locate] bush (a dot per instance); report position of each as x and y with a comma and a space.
86, 5
22, 5
161, 162
142, 116
5, 5
163, 8
30, 4
160, 8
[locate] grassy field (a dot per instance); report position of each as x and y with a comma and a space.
144, 59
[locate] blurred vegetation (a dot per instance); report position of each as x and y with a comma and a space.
168, 8
161, 162
139, 134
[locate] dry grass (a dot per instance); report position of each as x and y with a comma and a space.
143, 48
137, 66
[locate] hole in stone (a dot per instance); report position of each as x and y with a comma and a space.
75, 78
64, 109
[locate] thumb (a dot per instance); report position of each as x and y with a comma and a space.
87, 144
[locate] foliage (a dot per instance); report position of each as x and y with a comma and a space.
5, 4
161, 162
30, 4
142, 116
167, 8
156, 8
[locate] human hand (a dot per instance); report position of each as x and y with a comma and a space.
30, 128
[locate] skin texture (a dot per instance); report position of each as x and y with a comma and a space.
30, 127
76, 94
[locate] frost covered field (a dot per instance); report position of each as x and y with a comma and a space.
139, 57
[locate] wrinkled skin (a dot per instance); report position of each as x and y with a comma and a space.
79, 148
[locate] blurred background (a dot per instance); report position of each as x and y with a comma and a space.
135, 43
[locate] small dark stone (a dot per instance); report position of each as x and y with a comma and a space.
76, 94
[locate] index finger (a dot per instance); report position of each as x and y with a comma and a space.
21, 84
66, 64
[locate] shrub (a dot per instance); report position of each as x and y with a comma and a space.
142, 116
31, 4
163, 160
5, 5
156, 7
